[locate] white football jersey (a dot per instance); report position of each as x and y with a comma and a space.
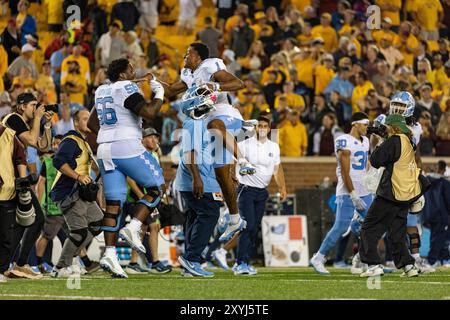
359, 153
119, 126
417, 131
204, 73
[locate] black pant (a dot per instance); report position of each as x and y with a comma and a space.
7, 219
28, 235
202, 215
439, 241
384, 215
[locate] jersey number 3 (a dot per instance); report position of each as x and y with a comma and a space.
107, 116
360, 157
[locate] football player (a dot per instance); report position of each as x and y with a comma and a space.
117, 121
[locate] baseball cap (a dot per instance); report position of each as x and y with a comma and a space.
229, 54
25, 98
397, 120
327, 56
318, 40
150, 131
260, 15
118, 24
387, 20
27, 48
326, 15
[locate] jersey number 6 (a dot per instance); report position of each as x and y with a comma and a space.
106, 116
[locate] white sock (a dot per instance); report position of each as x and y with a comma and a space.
320, 256
416, 255
135, 224
110, 251
234, 218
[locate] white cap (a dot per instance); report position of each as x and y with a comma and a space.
388, 20
27, 47
228, 54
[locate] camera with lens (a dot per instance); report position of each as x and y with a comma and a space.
25, 214
380, 130
51, 107
88, 192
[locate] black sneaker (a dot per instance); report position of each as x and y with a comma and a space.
93, 267
161, 268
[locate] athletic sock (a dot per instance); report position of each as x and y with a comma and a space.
234, 218
110, 251
86, 261
135, 224
40, 260
416, 256
320, 256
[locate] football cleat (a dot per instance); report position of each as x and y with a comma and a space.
373, 271
319, 265
410, 271
232, 229
133, 238
111, 264
220, 255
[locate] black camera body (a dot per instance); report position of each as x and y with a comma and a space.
52, 107
88, 192
380, 130
24, 184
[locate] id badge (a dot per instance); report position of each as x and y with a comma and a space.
217, 196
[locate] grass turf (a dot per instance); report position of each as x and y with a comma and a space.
270, 283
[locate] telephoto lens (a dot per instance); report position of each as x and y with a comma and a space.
25, 214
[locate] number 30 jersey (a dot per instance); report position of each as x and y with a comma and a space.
359, 153
120, 129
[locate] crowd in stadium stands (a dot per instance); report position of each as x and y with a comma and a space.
308, 65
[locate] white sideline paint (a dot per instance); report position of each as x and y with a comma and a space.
40, 296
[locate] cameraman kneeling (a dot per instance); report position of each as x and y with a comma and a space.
75, 193
13, 164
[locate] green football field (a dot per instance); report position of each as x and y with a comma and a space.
270, 283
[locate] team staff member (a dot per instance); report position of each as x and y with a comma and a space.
25, 120
264, 155
401, 184
13, 160
200, 191
73, 160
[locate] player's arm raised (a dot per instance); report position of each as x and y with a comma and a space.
225, 81
137, 104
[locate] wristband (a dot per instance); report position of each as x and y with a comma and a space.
216, 86
159, 95
353, 194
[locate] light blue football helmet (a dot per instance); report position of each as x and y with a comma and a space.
198, 101
402, 103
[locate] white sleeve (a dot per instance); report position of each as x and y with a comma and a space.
342, 143
276, 154
214, 65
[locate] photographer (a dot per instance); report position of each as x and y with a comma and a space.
25, 120
75, 193
13, 160
401, 185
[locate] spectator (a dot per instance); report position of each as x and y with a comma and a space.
343, 86
65, 124
134, 50
304, 64
24, 60
25, 21
310, 16
305, 37
390, 53
443, 135
363, 85
293, 139
435, 215
337, 17
323, 73
326, 135
314, 114
11, 41
45, 84
382, 76
293, 100
126, 12
428, 14
64, 100
428, 139
406, 43
225, 9
99, 17
149, 14
75, 83
55, 15
271, 88
150, 46
373, 104
391, 9
241, 37
326, 32
370, 61
385, 31
228, 57
336, 105
56, 61
211, 37
110, 46
261, 23
57, 43
5, 104
24, 80
255, 61
438, 77
427, 103
83, 62
187, 18
231, 22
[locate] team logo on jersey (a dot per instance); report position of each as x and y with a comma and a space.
270, 154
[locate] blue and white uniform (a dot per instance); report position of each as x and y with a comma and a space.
223, 110
359, 152
120, 151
